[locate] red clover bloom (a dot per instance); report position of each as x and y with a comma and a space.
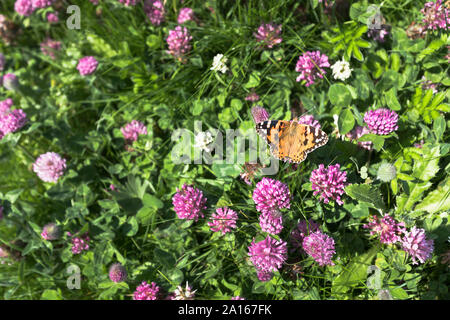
117, 272
178, 42
271, 195
155, 12
11, 121
320, 247
417, 245
132, 130
79, 244
381, 121
268, 255
437, 16
223, 220
357, 133
387, 228
269, 34
146, 291
186, 14
49, 166
310, 66
49, 47
189, 202
52, 17
270, 224
129, 2
259, 114
309, 120
24, 7
87, 65
10, 82
329, 182
40, 4
303, 229
51, 231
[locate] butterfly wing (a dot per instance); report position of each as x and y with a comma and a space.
290, 140
305, 140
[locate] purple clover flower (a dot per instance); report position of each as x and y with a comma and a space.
189, 202
270, 196
387, 228
155, 12
186, 14
132, 130
146, 291
87, 65
417, 245
117, 272
79, 244
381, 121
268, 255
329, 182
303, 229
223, 220
357, 133
51, 232
269, 34
24, 7
49, 47
259, 114
129, 2
178, 42
309, 120
40, 4
436, 15
264, 276
310, 66
270, 224
320, 247
49, 166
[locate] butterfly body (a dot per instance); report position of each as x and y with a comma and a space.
289, 140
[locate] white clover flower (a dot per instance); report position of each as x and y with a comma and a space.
341, 70
219, 63
184, 294
203, 140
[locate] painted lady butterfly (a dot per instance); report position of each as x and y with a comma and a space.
290, 140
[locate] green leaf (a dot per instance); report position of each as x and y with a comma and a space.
439, 127
346, 121
176, 276
437, 200
366, 193
222, 170
198, 108
254, 80
432, 47
399, 293
378, 141
391, 100
426, 168
145, 214
236, 104
415, 192
339, 95
50, 294
354, 274
165, 258
150, 201
131, 227
13, 195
